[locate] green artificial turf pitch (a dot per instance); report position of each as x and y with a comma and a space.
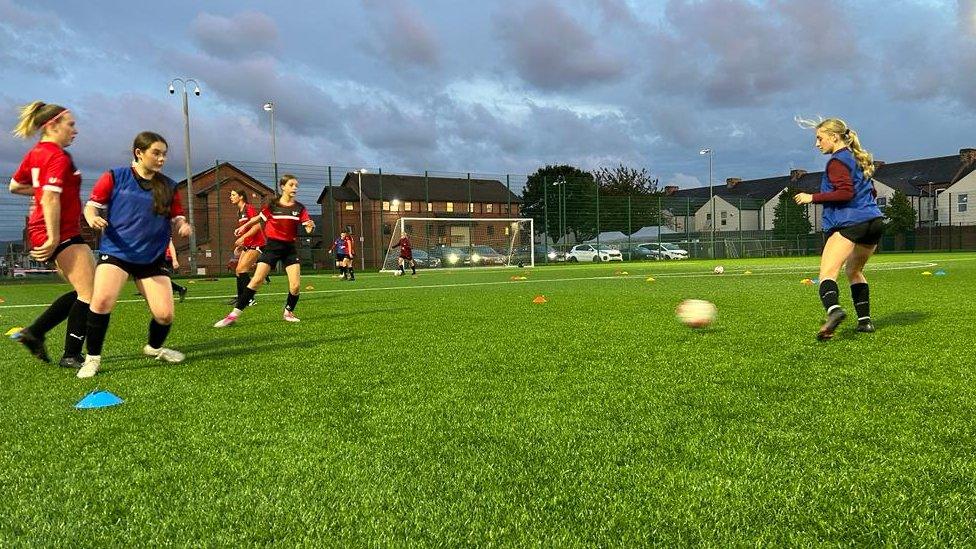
450, 409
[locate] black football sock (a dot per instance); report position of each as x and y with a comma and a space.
242, 280
352, 273
291, 301
828, 294
97, 328
74, 339
413, 268
243, 300
862, 301
157, 333
56, 313
176, 287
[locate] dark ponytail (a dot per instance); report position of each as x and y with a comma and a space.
162, 191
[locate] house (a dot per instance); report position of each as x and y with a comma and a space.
214, 217
940, 188
385, 198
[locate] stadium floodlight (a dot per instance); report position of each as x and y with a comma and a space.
184, 82
468, 242
362, 226
711, 194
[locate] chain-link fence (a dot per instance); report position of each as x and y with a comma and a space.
573, 219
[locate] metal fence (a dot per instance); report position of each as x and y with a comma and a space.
567, 212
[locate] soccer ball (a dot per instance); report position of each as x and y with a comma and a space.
719, 270
696, 313
397, 273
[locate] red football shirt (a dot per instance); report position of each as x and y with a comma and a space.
281, 222
245, 215
406, 251
48, 167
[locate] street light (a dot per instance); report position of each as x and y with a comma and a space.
184, 82
362, 239
270, 107
561, 204
711, 195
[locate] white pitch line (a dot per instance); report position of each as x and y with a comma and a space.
771, 271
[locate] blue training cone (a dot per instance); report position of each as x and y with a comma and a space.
940, 272
98, 399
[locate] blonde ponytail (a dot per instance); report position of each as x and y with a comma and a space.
846, 135
33, 117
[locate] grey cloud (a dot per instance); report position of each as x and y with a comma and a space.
402, 36
234, 37
738, 53
386, 127
552, 51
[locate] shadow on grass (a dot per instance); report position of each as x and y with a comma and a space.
904, 318
224, 348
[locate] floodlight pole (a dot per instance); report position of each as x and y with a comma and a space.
711, 195
270, 107
184, 82
362, 227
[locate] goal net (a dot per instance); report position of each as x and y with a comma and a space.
470, 243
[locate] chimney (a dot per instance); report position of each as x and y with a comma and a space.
670, 189
732, 182
796, 175
878, 164
967, 156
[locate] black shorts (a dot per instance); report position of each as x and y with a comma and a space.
248, 248
406, 257
868, 233
64, 245
276, 250
138, 271
342, 257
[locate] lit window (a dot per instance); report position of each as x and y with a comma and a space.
349, 206
407, 206
470, 207
488, 207
430, 207
450, 206
386, 206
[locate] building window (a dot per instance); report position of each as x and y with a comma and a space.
386, 206
708, 217
488, 207
882, 201
490, 230
508, 208
470, 207
450, 206
407, 206
387, 229
725, 218
349, 206
441, 230
430, 207
962, 201
506, 230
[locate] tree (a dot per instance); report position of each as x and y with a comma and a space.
629, 198
789, 218
901, 215
559, 197
624, 181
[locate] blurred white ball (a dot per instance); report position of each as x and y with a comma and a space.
696, 313
719, 270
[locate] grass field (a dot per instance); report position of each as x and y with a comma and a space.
451, 410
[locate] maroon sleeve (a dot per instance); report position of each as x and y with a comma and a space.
304, 217
176, 206
840, 178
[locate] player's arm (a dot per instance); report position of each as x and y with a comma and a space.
98, 201
841, 180
20, 183
52, 182
172, 254
178, 218
263, 216
306, 220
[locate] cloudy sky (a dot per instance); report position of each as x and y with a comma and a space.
498, 87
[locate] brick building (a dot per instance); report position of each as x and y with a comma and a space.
388, 197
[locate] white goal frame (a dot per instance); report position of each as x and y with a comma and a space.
400, 225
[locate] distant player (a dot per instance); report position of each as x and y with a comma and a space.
248, 244
136, 207
406, 254
342, 246
48, 174
851, 219
282, 218
174, 264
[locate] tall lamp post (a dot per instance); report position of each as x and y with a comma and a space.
184, 83
711, 194
362, 227
270, 107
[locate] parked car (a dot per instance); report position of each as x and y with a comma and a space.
592, 252
664, 250
420, 257
545, 253
451, 257
486, 255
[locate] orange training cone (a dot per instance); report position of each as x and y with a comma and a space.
540, 299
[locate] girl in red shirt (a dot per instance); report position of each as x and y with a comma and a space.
48, 174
